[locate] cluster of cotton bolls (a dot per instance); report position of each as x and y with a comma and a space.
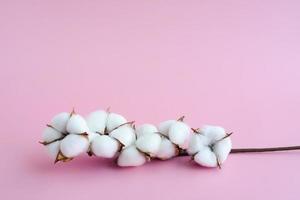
109, 135
66, 136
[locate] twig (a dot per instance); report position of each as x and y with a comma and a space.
268, 149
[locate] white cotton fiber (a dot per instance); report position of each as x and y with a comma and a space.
53, 149
222, 149
59, 121
96, 121
77, 125
92, 135
131, 157
211, 146
163, 127
50, 134
124, 134
149, 143
196, 143
213, 132
145, 129
206, 158
179, 133
104, 146
73, 145
166, 150
114, 120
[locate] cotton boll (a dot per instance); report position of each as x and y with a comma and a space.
222, 149
149, 143
179, 133
131, 157
59, 121
104, 146
163, 127
96, 121
114, 120
212, 146
197, 142
73, 145
145, 129
50, 135
77, 125
213, 132
206, 158
124, 134
53, 149
166, 150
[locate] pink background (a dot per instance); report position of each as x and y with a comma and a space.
233, 63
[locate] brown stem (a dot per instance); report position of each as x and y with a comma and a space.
253, 150
269, 149
180, 119
72, 112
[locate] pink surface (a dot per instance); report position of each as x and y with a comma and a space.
232, 63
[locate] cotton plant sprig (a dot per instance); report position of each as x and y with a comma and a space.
109, 135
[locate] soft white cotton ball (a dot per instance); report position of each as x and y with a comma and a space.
206, 158
163, 127
96, 121
50, 135
222, 149
130, 157
197, 142
149, 143
210, 147
124, 134
53, 149
114, 120
213, 132
104, 146
59, 121
92, 135
145, 129
179, 133
166, 150
73, 145
220, 143
77, 125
